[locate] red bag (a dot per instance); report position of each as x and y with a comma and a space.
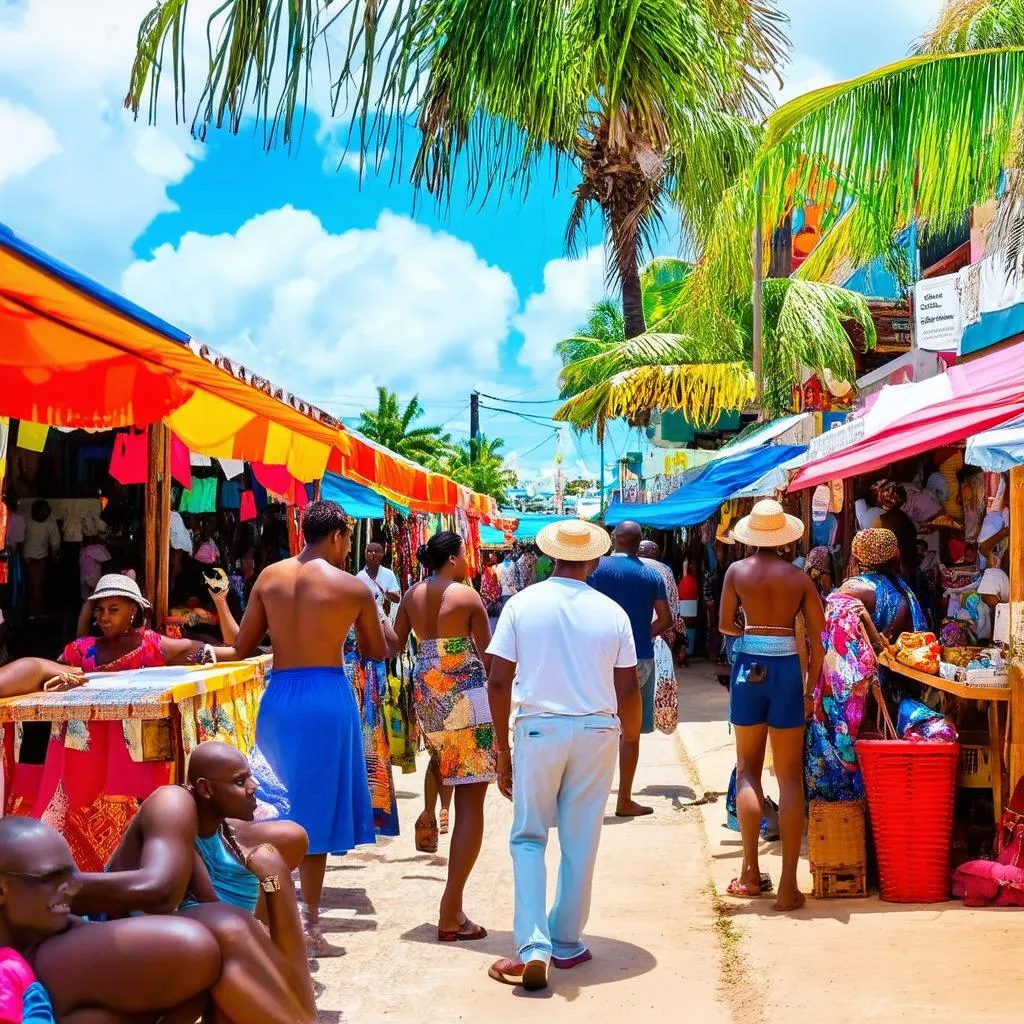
999, 882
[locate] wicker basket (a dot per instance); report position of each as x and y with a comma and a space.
837, 849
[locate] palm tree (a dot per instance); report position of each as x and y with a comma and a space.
647, 101
479, 464
606, 375
392, 426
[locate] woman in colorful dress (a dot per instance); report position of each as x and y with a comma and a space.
452, 634
118, 610
861, 617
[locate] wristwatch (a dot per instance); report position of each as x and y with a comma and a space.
272, 883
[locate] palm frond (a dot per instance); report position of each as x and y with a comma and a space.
661, 282
965, 25
700, 392
924, 138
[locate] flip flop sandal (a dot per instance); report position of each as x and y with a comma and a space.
444, 821
469, 932
426, 835
743, 891
532, 976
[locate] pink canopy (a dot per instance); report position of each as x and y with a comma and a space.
985, 393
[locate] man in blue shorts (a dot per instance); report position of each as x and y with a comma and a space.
766, 695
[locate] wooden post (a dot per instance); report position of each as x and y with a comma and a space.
158, 521
1015, 718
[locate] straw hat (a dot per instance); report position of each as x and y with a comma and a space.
573, 540
116, 585
768, 526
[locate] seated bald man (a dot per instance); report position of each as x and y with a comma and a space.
57, 967
180, 851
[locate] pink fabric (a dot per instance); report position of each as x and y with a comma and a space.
81, 653
247, 510
129, 461
181, 462
987, 392
15, 978
280, 484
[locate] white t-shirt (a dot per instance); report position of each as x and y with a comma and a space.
994, 583
385, 583
868, 516
566, 640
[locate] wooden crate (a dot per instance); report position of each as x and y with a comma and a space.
837, 849
839, 882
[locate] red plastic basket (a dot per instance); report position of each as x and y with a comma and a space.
910, 788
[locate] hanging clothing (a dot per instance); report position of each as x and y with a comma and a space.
369, 681
201, 498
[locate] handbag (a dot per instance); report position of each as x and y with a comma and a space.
999, 882
919, 651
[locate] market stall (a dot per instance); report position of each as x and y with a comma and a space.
116, 739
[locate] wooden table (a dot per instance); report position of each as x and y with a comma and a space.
993, 696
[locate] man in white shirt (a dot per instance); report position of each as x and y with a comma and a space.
383, 583
564, 670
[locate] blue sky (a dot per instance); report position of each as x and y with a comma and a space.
283, 261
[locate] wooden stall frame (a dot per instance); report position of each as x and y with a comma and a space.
158, 521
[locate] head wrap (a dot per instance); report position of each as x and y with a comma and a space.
874, 547
891, 495
818, 565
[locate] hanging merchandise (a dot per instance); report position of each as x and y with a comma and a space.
231, 468
32, 436
201, 498
247, 512
181, 464
129, 460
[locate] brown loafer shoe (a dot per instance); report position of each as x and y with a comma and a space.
532, 976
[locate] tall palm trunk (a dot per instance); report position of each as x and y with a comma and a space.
627, 265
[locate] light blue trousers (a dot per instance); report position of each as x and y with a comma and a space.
562, 768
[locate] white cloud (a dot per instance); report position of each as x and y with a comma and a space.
98, 179
571, 287
335, 315
28, 140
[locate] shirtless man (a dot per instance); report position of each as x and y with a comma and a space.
144, 970
309, 730
768, 693
158, 869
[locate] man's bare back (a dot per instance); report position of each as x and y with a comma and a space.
308, 606
770, 590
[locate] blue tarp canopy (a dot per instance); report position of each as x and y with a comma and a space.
529, 526
696, 501
358, 501
999, 449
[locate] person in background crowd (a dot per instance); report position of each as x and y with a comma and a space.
42, 544
208, 552
452, 634
14, 542
767, 690
526, 567
563, 655
994, 585
144, 970
91, 560
891, 498
820, 566
508, 577
490, 588
664, 663
640, 592
383, 583
689, 595
876, 583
